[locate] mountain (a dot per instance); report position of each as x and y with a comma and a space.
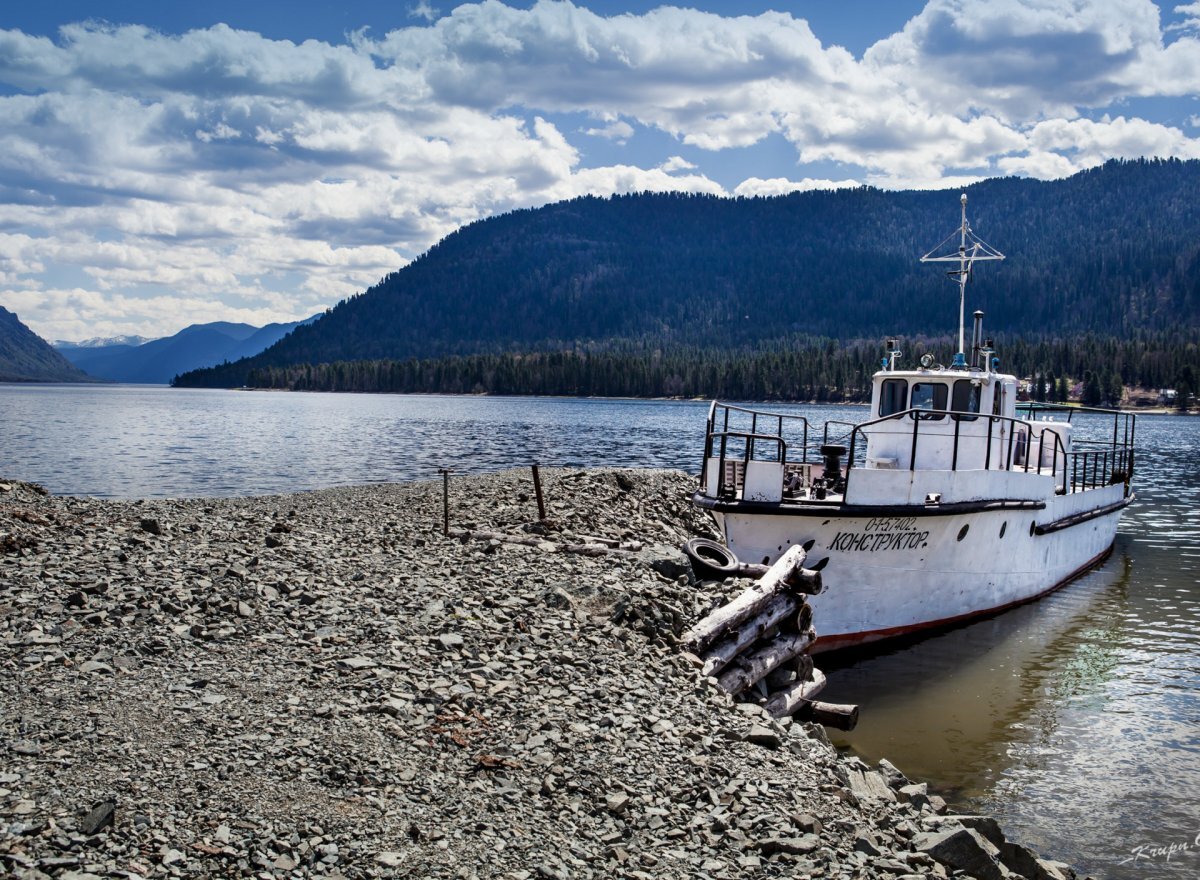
159, 360
102, 342
1113, 251
26, 357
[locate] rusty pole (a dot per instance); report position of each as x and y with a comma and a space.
537, 488
445, 472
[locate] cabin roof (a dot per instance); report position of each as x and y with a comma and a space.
946, 373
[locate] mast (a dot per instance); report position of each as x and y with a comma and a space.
970, 249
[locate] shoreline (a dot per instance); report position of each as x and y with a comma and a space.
322, 684
1149, 410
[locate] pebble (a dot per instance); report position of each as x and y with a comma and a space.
369, 698
100, 816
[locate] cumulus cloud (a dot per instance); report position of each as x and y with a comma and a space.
424, 11
779, 186
1026, 60
677, 163
234, 172
1019, 60
1191, 20
617, 130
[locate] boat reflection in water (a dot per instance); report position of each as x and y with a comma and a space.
957, 704
1075, 720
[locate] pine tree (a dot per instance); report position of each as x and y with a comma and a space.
1062, 392
1185, 387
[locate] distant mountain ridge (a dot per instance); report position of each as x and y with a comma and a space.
102, 342
1113, 251
26, 357
158, 361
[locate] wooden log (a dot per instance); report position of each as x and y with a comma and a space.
588, 549
528, 541
796, 670
613, 543
778, 609
745, 606
804, 617
787, 701
836, 715
807, 581
783, 677
752, 569
804, 665
751, 667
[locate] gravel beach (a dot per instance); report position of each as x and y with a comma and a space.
323, 684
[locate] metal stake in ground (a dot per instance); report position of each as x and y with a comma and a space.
445, 472
537, 488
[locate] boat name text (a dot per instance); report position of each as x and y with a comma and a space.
873, 542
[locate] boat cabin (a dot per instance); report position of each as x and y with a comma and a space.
933, 435
949, 404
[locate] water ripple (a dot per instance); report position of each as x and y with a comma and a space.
1075, 720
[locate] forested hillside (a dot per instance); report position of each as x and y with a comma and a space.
820, 370
1113, 252
26, 357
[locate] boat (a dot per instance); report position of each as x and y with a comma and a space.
951, 500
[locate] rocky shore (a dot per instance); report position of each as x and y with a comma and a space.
323, 684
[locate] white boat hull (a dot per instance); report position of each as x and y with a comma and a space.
895, 574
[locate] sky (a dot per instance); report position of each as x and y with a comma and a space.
163, 164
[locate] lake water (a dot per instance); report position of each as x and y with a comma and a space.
1074, 720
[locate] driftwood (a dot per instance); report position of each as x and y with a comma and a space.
747, 605
759, 664
804, 664
787, 701
804, 617
808, 581
797, 669
613, 543
585, 549
762, 638
838, 715
589, 549
777, 609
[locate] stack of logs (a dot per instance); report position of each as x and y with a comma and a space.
756, 646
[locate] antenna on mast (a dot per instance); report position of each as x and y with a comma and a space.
970, 249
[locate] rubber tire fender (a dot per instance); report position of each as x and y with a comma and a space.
711, 561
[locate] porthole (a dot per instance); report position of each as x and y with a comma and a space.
962, 533
1003, 528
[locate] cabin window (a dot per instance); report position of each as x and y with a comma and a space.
965, 399
893, 396
931, 396
997, 399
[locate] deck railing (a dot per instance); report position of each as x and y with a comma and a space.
753, 439
1090, 464
1015, 450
